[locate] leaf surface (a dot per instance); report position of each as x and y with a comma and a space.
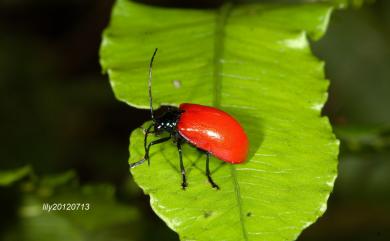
253, 61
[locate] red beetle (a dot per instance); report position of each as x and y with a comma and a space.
209, 129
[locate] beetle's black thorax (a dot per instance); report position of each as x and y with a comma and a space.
167, 120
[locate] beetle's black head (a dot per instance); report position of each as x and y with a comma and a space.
167, 120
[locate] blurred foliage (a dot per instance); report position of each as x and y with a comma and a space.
357, 53
105, 217
349, 3
7, 177
57, 113
359, 138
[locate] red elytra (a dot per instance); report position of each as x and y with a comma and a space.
211, 130
214, 131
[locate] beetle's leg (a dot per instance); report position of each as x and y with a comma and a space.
208, 174
147, 131
183, 171
137, 163
158, 141
146, 157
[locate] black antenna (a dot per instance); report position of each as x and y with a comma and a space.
150, 84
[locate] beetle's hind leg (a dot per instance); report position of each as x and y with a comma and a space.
182, 169
208, 174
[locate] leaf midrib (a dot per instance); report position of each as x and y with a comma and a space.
221, 19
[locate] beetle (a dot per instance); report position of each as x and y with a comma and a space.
209, 129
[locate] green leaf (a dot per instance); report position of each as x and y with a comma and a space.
253, 61
7, 177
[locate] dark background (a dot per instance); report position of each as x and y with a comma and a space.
58, 114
